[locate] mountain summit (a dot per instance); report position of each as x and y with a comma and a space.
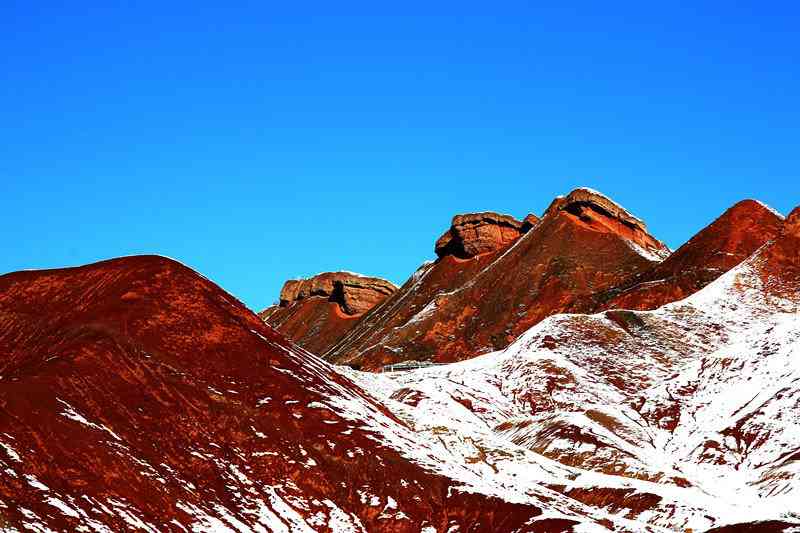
465, 304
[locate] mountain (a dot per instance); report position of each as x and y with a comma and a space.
137, 395
720, 246
479, 297
316, 312
682, 418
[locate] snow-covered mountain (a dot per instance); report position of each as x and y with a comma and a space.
137, 395
679, 419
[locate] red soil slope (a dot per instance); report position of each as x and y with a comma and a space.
729, 240
135, 393
457, 308
317, 312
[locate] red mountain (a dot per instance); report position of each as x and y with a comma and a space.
136, 394
317, 312
477, 298
722, 245
679, 419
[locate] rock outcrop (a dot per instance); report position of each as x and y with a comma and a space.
529, 222
473, 234
792, 224
455, 308
354, 293
316, 312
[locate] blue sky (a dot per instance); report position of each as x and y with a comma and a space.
257, 142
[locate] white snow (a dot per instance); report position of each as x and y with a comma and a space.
11, 452
770, 208
72, 414
729, 356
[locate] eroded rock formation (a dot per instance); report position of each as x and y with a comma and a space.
602, 213
354, 293
473, 234
316, 312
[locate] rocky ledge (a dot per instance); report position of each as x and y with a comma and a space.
355, 294
473, 234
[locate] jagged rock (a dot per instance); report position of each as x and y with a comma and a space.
529, 222
473, 234
792, 224
316, 312
355, 294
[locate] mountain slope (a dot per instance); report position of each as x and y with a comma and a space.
135, 394
456, 308
717, 248
682, 418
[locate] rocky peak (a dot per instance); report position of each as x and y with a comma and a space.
355, 294
596, 210
727, 241
473, 234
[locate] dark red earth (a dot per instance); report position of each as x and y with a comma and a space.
135, 390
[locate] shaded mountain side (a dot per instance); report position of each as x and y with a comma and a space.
136, 394
458, 308
315, 313
720, 246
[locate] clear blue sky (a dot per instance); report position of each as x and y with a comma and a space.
257, 141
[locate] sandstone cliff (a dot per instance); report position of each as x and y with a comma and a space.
316, 312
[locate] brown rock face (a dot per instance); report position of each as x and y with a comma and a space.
594, 208
140, 388
316, 312
780, 267
354, 293
478, 233
725, 243
455, 309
